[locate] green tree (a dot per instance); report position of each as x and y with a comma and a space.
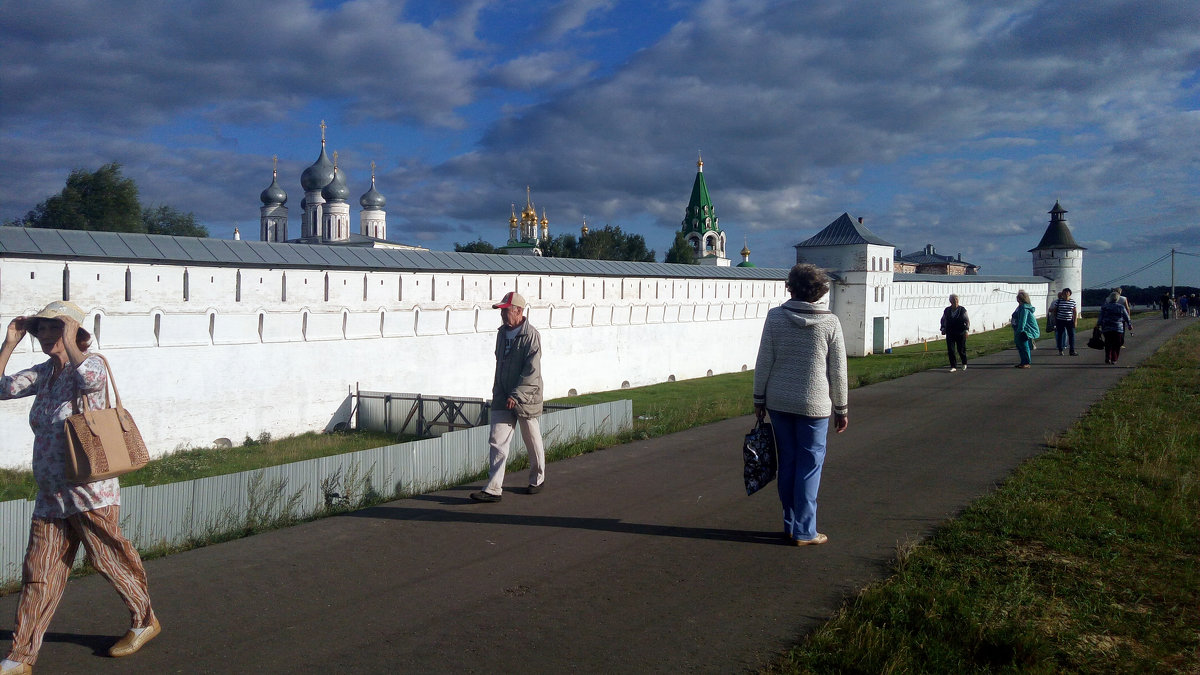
611, 243
681, 251
104, 200
562, 246
168, 220
477, 246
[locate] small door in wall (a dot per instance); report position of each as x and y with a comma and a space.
877, 336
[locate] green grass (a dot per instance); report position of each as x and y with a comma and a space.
1086, 560
669, 407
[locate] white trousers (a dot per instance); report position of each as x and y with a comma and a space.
504, 424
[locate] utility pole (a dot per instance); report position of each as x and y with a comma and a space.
1172, 274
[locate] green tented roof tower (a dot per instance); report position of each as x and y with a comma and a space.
700, 223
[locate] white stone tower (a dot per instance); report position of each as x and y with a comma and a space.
1057, 257
273, 215
372, 218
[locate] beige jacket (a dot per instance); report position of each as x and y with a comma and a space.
519, 374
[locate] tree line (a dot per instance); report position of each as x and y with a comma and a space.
607, 243
1137, 295
105, 201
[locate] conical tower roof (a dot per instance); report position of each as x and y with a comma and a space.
1058, 234
700, 215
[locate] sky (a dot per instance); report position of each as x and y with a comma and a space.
943, 122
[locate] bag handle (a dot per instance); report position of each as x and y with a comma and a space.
80, 403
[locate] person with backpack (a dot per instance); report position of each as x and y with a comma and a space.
955, 325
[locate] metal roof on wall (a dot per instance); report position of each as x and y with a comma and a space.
157, 248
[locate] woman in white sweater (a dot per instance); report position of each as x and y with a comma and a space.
800, 377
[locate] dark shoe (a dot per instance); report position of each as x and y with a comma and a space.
482, 496
1060, 352
1074, 353
534, 489
133, 641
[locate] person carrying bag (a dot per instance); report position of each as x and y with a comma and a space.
67, 514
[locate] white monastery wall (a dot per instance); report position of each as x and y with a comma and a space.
916, 306
202, 353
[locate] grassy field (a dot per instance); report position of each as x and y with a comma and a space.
1087, 560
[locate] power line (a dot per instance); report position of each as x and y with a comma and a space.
1143, 268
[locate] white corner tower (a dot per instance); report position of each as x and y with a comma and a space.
1057, 257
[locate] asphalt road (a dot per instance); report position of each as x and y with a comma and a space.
646, 557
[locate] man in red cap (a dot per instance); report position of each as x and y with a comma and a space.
516, 398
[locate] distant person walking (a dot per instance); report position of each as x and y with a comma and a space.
1166, 302
67, 514
516, 398
1025, 328
1065, 314
955, 325
800, 378
1183, 304
1114, 318
1122, 300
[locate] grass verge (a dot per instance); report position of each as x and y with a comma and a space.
1086, 560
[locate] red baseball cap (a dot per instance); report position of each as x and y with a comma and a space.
511, 299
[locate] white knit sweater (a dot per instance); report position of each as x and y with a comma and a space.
801, 367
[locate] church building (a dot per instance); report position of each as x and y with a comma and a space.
325, 212
700, 224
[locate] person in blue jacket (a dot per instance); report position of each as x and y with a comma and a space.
1025, 328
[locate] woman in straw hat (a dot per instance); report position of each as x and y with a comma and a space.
66, 514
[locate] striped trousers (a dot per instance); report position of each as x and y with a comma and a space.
53, 544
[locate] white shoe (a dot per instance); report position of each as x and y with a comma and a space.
953, 369
964, 366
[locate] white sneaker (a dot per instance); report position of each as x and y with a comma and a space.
964, 366
953, 369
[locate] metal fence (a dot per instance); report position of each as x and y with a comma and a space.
420, 414
173, 514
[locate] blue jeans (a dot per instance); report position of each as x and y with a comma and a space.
1024, 347
800, 444
1064, 333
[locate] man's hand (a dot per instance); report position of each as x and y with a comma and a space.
510, 403
840, 422
760, 411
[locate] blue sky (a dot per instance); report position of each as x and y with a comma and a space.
950, 123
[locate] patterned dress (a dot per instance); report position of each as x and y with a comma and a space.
52, 405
